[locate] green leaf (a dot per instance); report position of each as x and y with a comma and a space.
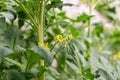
13, 13
52, 74
14, 62
74, 31
57, 4
54, 4
73, 67
112, 10
57, 31
21, 16
15, 75
53, 71
42, 69
43, 53
61, 56
97, 62
98, 29
116, 34
104, 74
5, 51
2, 25
28, 75
84, 17
32, 58
88, 75
13, 37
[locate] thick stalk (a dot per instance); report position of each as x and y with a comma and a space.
41, 24
41, 33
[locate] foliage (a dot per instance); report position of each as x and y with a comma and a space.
39, 42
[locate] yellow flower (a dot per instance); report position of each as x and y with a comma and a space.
40, 44
44, 45
118, 55
59, 38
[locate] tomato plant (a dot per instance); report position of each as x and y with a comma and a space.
38, 41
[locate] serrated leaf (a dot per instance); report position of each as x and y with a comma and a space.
84, 17
57, 4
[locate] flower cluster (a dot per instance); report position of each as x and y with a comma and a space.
59, 38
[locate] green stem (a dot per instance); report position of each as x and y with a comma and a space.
55, 14
26, 12
14, 42
41, 23
28, 62
41, 33
89, 28
104, 45
89, 23
53, 46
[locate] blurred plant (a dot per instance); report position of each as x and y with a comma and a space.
35, 34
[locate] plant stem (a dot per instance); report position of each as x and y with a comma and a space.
89, 27
89, 23
41, 33
56, 18
28, 62
26, 12
89, 32
53, 46
41, 24
104, 45
14, 42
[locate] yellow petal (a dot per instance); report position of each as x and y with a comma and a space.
118, 55
40, 44
59, 38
